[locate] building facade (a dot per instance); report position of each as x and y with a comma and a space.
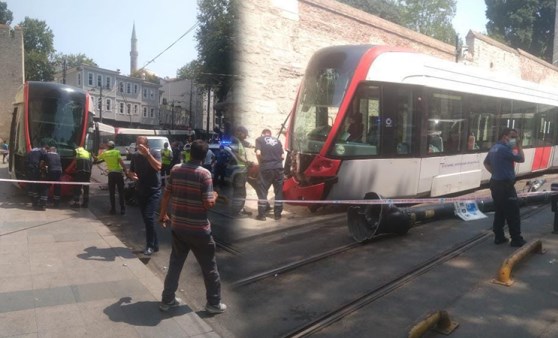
11, 73
181, 104
121, 101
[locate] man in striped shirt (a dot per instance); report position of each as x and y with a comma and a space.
189, 190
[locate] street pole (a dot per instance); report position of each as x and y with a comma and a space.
101, 105
172, 116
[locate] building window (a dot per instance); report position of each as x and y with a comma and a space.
108, 81
135, 109
108, 104
121, 87
128, 88
79, 79
135, 89
144, 111
151, 93
99, 80
152, 112
128, 108
90, 79
144, 92
121, 110
100, 104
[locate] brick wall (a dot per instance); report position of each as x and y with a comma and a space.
278, 37
11, 73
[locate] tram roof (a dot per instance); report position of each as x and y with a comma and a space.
425, 70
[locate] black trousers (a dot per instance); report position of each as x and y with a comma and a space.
266, 179
506, 209
81, 176
115, 180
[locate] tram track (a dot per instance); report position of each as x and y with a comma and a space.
395, 283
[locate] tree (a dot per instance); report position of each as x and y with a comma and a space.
39, 48
432, 17
6, 16
190, 71
72, 60
216, 35
525, 24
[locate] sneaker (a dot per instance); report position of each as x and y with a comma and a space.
219, 308
167, 306
501, 240
277, 217
518, 243
148, 251
260, 218
245, 212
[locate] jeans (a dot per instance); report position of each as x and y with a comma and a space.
115, 180
506, 209
203, 247
148, 203
266, 179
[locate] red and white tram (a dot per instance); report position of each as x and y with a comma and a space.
403, 124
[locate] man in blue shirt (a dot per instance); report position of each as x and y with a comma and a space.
500, 163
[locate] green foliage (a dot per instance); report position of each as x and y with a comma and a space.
216, 35
72, 60
432, 17
190, 71
39, 48
6, 16
524, 24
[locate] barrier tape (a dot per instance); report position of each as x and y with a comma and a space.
439, 200
46, 182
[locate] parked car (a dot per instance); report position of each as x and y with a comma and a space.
155, 143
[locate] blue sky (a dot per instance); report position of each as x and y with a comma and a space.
471, 14
101, 29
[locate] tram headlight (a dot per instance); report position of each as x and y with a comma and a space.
339, 149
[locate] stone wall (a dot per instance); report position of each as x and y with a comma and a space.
11, 73
278, 37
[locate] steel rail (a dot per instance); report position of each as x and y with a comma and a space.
392, 285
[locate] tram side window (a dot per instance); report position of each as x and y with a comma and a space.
359, 134
445, 123
482, 132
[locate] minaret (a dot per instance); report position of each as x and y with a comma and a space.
134, 52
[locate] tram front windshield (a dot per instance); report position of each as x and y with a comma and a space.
323, 88
56, 118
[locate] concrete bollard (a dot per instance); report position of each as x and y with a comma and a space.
439, 321
504, 274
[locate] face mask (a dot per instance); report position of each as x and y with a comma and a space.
512, 142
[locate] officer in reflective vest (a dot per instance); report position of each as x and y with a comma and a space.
166, 160
82, 174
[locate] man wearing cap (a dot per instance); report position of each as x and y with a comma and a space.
115, 167
269, 152
239, 184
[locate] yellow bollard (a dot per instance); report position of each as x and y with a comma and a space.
438, 321
504, 274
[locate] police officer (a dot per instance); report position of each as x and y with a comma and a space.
269, 152
115, 167
166, 161
33, 161
82, 174
54, 173
500, 163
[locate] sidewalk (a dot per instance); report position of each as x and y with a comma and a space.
64, 274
